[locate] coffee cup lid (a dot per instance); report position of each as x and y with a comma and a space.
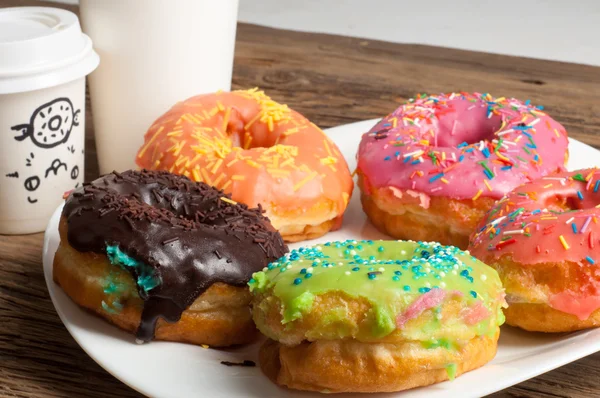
42, 47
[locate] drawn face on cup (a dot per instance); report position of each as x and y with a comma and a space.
50, 126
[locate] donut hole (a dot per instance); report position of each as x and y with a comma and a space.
564, 203
465, 121
248, 138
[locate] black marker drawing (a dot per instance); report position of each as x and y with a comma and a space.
71, 148
54, 167
75, 172
50, 124
32, 183
13, 175
29, 159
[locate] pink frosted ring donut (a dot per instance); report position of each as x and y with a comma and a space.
430, 169
542, 238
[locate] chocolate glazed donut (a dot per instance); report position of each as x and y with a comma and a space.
190, 234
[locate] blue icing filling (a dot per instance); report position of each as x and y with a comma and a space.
146, 279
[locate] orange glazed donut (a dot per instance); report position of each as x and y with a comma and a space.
261, 152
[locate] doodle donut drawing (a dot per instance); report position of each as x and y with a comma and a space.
50, 124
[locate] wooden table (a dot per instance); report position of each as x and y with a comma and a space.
332, 80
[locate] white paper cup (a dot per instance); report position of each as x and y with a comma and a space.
44, 59
154, 53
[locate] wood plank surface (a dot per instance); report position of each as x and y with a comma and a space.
332, 80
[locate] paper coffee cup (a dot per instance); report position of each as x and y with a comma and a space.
44, 58
154, 53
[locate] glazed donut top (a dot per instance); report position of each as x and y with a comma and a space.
462, 146
551, 220
247, 144
176, 237
401, 280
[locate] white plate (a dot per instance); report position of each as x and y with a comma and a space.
161, 369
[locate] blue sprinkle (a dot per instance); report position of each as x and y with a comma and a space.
406, 288
424, 289
526, 133
307, 275
462, 145
574, 226
395, 278
579, 195
407, 159
355, 269
436, 177
528, 145
488, 174
486, 152
415, 162
464, 272
303, 271
521, 128
473, 293
596, 186
506, 168
536, 157
536, 211
469, 150
527, 102
590, 260
387, 158
297, 281
397, 272
397, 153
461, 158
372, 276
380, 249
540, 107
470, 279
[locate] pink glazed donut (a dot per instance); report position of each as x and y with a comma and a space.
431, 169
543, 240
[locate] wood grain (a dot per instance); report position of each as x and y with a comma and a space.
332, 80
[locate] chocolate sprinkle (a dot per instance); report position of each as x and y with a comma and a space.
141, 212
246, 363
